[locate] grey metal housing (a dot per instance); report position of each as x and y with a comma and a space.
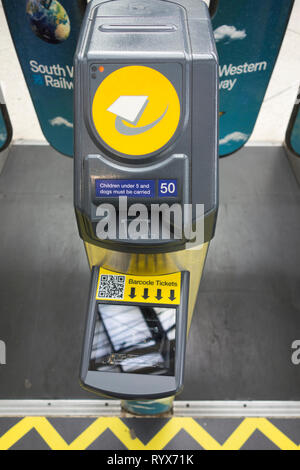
117, 33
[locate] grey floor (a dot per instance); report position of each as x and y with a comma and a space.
248, 310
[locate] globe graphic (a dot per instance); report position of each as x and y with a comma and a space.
48, 20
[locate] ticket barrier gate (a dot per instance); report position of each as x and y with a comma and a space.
146, 159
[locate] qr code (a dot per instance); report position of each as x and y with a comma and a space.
111, 286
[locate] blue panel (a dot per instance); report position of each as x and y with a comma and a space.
167, 188
129, 188
248, 35
45, 36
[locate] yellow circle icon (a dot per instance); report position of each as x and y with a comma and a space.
136, 110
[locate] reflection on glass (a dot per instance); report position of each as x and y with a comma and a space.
133, 339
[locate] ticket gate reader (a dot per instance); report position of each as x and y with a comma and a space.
146, 157
134, 348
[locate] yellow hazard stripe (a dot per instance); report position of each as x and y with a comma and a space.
173, 426
153, 289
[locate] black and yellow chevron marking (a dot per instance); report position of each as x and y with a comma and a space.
173, 433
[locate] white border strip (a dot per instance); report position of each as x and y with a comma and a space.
237, 409
261, 143
2, 100
65, 408
195, 409
25, 142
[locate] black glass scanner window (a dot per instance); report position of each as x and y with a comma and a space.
134, 339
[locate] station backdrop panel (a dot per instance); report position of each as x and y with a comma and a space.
248, 34
292, 138
45, 35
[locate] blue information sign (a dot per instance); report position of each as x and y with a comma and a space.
129, 188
